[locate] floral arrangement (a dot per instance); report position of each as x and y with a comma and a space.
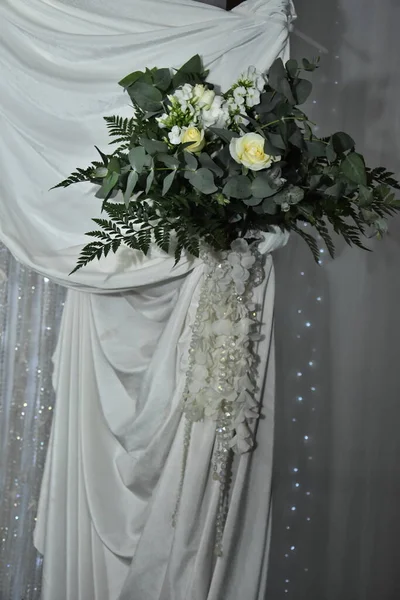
197, 166
198, 171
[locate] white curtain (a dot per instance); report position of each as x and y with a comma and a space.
113, 465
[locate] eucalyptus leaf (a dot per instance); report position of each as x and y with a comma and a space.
238, 187
330, 151
286, 89
130, 79
208, 162
168, 180
252, 201
130, 186
365, 197
336, 190
162, 79
146, 96
292, 67
268, 101
137, 158
114, 165
149, 181
303, 89
269, 207
191, 161
276, 140
109, 184
193, 65
203, 180
263, 187
153, 146
277, 74
353, 168
168, 160
225, 134
342, 142
315, 148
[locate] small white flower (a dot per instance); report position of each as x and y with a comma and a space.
161, 121
175, 135
184, 93
217, 115
253, 97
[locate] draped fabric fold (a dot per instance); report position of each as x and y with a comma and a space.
114, 459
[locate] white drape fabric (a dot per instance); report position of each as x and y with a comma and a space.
113, 466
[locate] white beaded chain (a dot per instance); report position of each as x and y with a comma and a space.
221, 380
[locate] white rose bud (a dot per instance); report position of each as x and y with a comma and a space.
248, 150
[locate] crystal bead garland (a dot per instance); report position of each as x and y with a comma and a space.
222, 366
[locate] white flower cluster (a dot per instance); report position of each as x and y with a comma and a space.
244, 94
193, 107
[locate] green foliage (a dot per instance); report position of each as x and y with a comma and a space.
178, 199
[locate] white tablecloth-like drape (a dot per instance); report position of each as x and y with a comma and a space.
113, 466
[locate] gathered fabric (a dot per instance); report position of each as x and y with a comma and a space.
114, 459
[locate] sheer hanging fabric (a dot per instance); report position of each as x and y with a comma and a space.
113, 465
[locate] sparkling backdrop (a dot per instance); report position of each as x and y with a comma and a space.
30, 311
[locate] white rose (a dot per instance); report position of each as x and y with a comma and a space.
195, 136
248, 150
203, 96
175, 135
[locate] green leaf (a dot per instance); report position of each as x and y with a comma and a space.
237, 187
342, 142
130, 186
296, 138
203, 180
146, 96
137, 158
292, 66
276, 140
149, 181
353, 168
225, 134
190, 160
365, 197
315, 148
269, 207
336, 190
269, 100
162, 79
303, 89
193, 65
109, 184
208, 162
310, 66
168, 160
130, 79
252, 201
262, 187
330, 152
114, 165
286, 89
277, 74
153, 146
168, 182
